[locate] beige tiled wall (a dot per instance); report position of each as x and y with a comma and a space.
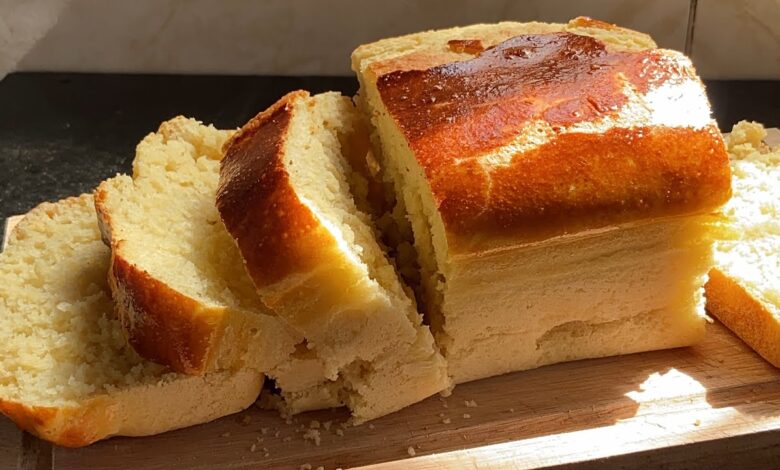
290, 37
737, 38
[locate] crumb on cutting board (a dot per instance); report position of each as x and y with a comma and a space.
313, 435
410, 450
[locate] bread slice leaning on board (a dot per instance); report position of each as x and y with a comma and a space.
561, 182
743, 291
67, 374
286, 196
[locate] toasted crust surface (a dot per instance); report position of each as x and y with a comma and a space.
552, 133
745, 315
258, 204
161, 323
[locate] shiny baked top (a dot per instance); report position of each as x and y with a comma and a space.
547, 134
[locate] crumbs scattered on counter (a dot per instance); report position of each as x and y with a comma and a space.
466, 416
313, 435
410, 450
470, 403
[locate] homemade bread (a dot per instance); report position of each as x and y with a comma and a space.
182, 295
286, 196
559, 180
66, 372
744, 288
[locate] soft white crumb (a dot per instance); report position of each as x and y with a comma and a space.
371, 426
326, 425
410, 451
470, 403
253, 448
446, 421
466, 416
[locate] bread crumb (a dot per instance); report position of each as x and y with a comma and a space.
410, 451
259, 439
288, 420
320, 468
313, 435
227, 434
266, 454
263, 431
306, 466
326, 425
446, 421
253, 448
466, 416
511, 410
277, 433
246, 419
470, 403
314, 424
339, 432
287, 439
371, 426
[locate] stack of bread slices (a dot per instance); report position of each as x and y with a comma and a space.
496, 198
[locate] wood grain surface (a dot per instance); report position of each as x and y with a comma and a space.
566, 413
691, 407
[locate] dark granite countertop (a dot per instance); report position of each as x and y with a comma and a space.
61, 134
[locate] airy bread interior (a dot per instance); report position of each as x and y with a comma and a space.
60, 340
742, 291
168, 205
750, 250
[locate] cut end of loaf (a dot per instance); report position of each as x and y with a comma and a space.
743, 290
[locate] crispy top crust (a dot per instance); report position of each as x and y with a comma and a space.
548, 134
277, 234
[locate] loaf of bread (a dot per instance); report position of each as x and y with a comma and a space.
66, 372
286, 196
743, 291
560, 181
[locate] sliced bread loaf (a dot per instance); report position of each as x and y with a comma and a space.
66, 372
559, 180
286, 196
743, 291
182, 294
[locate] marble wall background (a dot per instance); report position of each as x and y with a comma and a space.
732, 38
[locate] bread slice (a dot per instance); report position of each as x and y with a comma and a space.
743, 291
286, 196
182, 295
559, 180
67, 374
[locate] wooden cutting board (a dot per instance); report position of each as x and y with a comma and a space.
698, 406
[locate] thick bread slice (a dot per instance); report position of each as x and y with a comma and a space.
286, 196
67, 374
743, 291
181, 293
559, 180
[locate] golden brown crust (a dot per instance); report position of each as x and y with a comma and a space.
455, 115
162, 324
277, 234
744, 315
49, 423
